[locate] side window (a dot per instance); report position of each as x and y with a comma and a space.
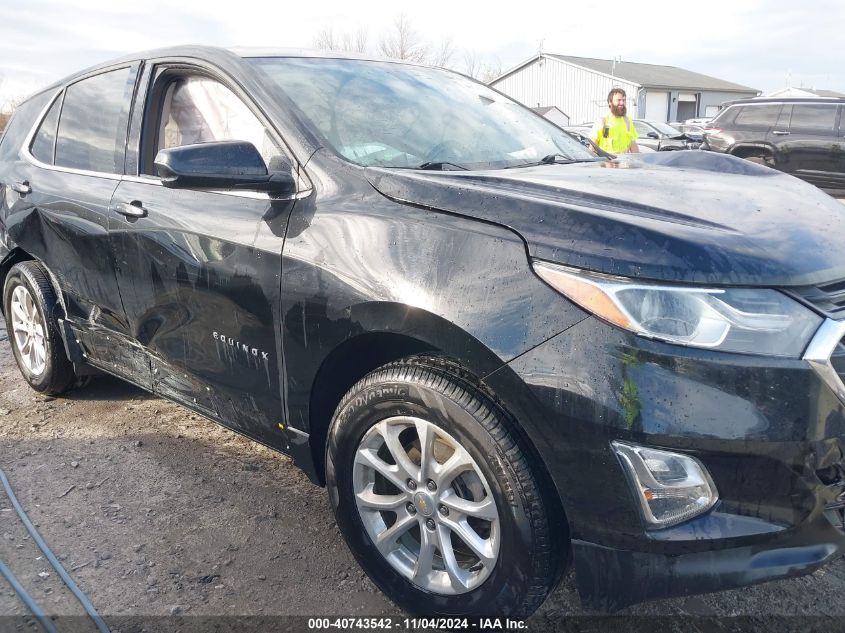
18, 128
92, 126
819, 119
762, 116
783, 119
725, 116
201, 110
44, 141
642, 128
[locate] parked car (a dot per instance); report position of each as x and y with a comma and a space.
583, 134
501, 352
800, 136
701, 121
662, 137
691, 131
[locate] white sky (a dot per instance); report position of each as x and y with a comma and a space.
755, 43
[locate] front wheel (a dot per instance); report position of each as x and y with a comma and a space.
437, 496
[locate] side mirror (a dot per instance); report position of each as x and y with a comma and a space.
222, 165
652, 135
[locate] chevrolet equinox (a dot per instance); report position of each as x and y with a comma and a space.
502, 352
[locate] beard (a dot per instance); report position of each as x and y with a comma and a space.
620, 110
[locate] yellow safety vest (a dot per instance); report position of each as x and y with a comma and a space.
620, 134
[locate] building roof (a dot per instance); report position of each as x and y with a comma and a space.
542, 111
804, 92
654, 75
646, 75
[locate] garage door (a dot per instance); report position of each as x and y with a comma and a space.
657, 106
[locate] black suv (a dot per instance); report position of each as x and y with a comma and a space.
804, 137
500, 351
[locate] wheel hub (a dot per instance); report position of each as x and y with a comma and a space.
424, 503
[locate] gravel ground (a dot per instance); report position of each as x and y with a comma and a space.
157, 511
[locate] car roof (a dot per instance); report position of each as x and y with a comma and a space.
810, 100
217, 54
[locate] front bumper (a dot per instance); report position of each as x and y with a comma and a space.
609, 578
770, 431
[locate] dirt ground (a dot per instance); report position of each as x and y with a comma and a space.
157, 511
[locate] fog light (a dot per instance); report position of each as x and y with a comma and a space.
670, 487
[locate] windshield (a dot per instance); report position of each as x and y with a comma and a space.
664, 128
396, 115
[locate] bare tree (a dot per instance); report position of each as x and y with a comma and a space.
361, 38
491, 70
11, 102
403, 42
443, 54
327, 40
472, 64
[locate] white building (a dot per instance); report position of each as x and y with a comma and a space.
579, 85
554, 114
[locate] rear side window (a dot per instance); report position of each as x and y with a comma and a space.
45, 138
92, 127
725, 116
18, 128
762, 116
813, 118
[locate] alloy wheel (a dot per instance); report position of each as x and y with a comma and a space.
28, 331
426, 505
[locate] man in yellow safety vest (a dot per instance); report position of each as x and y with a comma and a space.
614, 132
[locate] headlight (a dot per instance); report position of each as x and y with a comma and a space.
747, 320
670, 487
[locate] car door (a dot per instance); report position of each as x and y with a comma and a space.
199, 270
812, 149
72, 164
647, 136
808, 145
751, 126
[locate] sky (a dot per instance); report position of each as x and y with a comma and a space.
766, 45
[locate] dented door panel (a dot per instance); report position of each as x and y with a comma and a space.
64, 223
203, 299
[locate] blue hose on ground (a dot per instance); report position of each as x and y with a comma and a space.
83, 599
42, 617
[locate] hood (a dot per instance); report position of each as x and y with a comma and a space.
683, 216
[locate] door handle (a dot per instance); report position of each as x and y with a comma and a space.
22, 188
134, 209
779, 132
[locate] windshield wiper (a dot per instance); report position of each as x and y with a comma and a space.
441, 165
555, 159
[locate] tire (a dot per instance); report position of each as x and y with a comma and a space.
47, 368
760, 160
405, 401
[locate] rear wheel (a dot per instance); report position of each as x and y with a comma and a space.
437, 496
760, 159
31, 311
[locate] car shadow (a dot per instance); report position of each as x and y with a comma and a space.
105, 387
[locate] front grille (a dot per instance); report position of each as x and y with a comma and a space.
827, 298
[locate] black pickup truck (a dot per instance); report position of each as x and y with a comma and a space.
501, 351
